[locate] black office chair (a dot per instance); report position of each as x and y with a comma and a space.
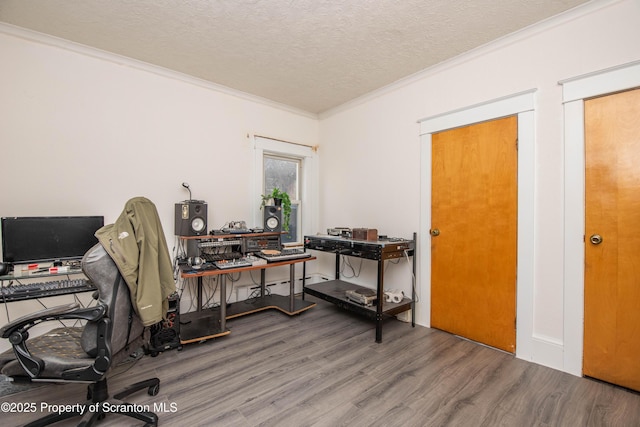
111, 333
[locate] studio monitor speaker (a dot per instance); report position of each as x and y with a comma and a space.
191, 218
273, 218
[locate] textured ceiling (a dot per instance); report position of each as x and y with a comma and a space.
309, 54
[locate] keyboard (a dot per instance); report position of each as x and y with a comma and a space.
224, 256
283, 255
24, 291
234, 263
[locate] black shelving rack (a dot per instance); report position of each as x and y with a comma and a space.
335, 291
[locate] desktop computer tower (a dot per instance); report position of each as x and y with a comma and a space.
166, 334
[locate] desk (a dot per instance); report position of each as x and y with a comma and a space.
204, 324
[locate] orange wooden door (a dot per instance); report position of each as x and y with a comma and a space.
474, 210
612, 239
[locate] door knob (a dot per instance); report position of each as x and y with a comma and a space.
435, 232
595, 239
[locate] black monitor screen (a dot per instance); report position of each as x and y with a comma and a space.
42, 239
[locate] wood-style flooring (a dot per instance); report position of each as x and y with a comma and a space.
323, 368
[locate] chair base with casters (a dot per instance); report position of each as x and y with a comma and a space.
98, 400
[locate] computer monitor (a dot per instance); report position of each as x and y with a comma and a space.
27, 240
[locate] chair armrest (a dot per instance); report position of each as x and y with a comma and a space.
61, 312
17, 331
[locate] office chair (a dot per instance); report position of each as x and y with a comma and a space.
111, 333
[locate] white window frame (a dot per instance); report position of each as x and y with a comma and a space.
308, 179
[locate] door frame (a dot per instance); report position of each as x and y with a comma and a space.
523, 105
574, 92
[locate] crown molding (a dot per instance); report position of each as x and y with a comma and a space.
497, 44
57, 42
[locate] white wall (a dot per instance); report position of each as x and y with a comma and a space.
83, 131
82, 134
373, 144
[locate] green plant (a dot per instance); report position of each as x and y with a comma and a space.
276, 194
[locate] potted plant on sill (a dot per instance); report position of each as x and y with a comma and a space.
280, 198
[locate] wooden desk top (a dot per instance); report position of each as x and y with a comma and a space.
186, 273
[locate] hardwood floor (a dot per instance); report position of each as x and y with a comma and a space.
323, 368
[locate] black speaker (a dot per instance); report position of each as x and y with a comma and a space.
191, 218
273, 218
5, 268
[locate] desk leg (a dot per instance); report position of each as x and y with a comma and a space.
263, 282
379, 301
304, 277
223, 302
199, 292
292, 282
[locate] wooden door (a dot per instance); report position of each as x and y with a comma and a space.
612, 239
474, 210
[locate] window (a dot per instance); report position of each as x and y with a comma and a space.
283, 172
292, 168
